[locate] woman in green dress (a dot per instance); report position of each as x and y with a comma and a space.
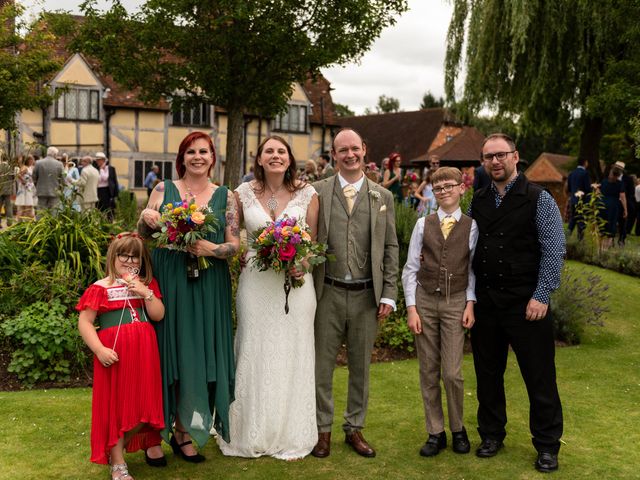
392, 179
195, 336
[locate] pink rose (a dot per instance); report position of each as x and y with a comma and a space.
286, 253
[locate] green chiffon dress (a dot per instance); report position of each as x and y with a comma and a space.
195, 336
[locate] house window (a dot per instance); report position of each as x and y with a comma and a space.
293, 120
78, 104
143, 167
199, 115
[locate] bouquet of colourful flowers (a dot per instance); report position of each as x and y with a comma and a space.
283, 244
411, 177
181, 225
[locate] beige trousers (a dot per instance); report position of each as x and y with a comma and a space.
440, 350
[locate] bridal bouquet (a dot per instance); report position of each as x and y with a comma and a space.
283, 244
182, 225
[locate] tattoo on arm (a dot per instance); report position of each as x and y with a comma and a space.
160, 187
232, 217
226, 250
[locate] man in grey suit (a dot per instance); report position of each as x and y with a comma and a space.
357, 221
88, 184
48, 175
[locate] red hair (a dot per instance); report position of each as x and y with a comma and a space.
186, 143
393, 159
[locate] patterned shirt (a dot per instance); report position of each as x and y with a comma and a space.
551, 239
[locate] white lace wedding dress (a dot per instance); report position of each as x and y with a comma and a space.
274, 412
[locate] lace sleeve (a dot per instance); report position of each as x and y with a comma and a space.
303, 197
247, 197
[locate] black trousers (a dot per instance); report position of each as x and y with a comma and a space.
533, 344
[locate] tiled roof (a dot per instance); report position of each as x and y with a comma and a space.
409, 133
549, 167
318, 90
119, 96
466, 146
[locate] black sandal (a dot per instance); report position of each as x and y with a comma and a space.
177, 449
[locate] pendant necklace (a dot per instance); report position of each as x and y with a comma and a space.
272, 202
194, 195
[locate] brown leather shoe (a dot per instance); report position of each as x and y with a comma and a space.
359, 444
323, 447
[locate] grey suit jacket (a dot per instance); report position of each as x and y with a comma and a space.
88, 184
48, 175
384, 242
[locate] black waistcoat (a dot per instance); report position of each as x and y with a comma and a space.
507, 255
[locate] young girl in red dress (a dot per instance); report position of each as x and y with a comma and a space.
127, 386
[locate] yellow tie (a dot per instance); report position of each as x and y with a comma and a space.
350, 193
446, 225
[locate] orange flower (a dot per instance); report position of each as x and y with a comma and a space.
197, 218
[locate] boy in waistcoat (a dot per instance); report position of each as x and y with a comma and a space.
439, 292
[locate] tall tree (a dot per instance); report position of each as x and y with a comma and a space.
430, 101
387, 104
25, 63
547, 61
243, 55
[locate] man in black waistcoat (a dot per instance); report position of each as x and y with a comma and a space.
517, 264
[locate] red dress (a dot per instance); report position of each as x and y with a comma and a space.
129, 391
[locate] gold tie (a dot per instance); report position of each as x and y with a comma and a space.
446, 225
350, 193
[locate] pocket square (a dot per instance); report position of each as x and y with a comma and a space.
383, 208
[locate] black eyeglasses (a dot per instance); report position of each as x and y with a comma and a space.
124, 258
444, 188
500, 156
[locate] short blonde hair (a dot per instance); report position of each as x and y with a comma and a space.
446, 173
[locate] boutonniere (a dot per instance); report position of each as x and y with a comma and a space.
374, 194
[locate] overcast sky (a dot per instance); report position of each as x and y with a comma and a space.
405, 62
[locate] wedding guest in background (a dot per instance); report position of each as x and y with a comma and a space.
578, 181
48, 176
195, 336
325, 170
274, 410
517, 264
424, 194
355, 291
87, 184
310, 174
392, 178
614, 203
108, 187
71, 177
151, 180
7, 179
439, 287
26, 198
249, 176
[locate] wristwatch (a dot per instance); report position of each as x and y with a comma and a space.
150, 296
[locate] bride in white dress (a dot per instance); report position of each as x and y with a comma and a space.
274, 412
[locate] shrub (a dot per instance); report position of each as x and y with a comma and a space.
406, 218
46, 343
394, 332
624, 260
577, 303
127, 210
77, 238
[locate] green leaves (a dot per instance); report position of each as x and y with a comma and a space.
44, 338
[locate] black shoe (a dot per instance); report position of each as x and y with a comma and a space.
488, 448
155, 462
460, 441
546, 462
434, 444
177, 450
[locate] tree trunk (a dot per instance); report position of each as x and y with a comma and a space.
232, 174
590, 145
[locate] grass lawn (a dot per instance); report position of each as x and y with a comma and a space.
46, 433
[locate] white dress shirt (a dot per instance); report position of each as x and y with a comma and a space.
410, 270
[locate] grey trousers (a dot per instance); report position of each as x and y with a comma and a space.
352, 315
440, 351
